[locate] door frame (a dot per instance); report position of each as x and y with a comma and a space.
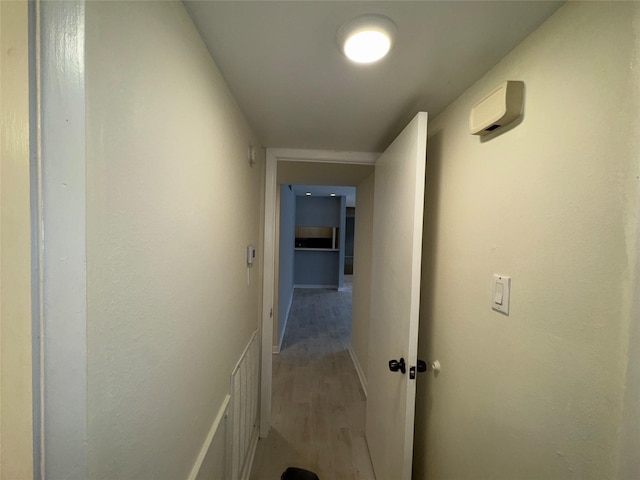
59, 209
273, 156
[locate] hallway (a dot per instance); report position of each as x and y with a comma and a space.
318, 403
148, 145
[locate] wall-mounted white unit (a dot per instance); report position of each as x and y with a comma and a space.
501, 107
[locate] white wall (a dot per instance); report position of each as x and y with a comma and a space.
361, 300
172, 203
553, 203
16, 420
630, 428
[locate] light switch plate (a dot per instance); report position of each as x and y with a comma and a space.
500, 293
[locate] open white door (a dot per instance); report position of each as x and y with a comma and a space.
395, 300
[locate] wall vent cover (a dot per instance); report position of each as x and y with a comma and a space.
499, 108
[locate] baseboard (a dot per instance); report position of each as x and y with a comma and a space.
359, 371
284, 327
246, 473
222, 412
286, 319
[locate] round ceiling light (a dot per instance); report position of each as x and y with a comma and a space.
367, 39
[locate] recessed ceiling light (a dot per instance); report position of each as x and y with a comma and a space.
332, 194
308, 194
367, 39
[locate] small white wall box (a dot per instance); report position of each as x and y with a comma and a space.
501, 107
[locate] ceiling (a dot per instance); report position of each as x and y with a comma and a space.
283, 65
326, 191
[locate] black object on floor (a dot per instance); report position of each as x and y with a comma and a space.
293, 473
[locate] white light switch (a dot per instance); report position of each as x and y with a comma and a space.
501, 293
497, 299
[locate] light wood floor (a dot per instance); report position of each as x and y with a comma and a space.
318, 403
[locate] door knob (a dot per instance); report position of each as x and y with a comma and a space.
395, 365
421, 367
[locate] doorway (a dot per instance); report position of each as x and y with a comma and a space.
307, 167
312, 243
316, 345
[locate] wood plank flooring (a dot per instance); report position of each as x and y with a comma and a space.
318, 403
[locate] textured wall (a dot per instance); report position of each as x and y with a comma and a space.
362, 272
553, 204
172, 203
16, 426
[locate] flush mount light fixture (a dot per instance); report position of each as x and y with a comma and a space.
332, 194
366, 39
308, 194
